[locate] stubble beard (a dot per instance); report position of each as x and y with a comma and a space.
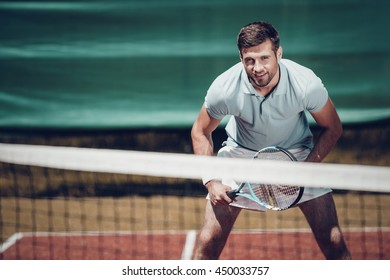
262, 82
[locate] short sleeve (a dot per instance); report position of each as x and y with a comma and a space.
316, 95
215, 102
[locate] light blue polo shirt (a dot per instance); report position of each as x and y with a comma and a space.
276, 120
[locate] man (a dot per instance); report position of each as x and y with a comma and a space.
266, 97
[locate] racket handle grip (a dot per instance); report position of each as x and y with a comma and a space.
232, 194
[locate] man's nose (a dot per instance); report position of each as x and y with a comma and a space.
258, 67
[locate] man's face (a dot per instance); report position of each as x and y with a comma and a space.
261, 65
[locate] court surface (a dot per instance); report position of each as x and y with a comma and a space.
173, 245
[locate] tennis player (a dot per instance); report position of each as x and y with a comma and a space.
266, 98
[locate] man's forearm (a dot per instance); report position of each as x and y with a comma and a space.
324, 145
202, 144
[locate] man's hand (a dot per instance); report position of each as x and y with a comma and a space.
217, 193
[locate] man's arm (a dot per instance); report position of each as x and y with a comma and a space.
201, 133
328, 119
202, 144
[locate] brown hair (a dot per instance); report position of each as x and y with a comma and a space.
257, 33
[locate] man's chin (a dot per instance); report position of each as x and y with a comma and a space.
261, 83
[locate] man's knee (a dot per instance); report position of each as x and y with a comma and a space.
337, 248
322, 217
332, 244
335, 236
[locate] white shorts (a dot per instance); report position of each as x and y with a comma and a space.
300, 154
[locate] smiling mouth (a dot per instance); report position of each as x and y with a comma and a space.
260, 75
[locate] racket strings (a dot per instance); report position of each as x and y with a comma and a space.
272, 196
276, 196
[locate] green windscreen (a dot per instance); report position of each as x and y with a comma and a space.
113, 64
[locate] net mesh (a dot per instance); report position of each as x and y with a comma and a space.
54, 212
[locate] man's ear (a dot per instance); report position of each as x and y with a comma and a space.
279, 53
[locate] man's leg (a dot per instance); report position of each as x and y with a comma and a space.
218, 223
322, 217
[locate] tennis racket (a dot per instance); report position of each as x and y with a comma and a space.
271, 196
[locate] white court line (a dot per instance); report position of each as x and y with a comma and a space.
10, 241
189, 245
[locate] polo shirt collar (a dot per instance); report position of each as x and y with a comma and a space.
245, 86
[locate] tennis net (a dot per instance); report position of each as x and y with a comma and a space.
81, 203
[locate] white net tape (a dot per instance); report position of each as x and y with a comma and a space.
336, 176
